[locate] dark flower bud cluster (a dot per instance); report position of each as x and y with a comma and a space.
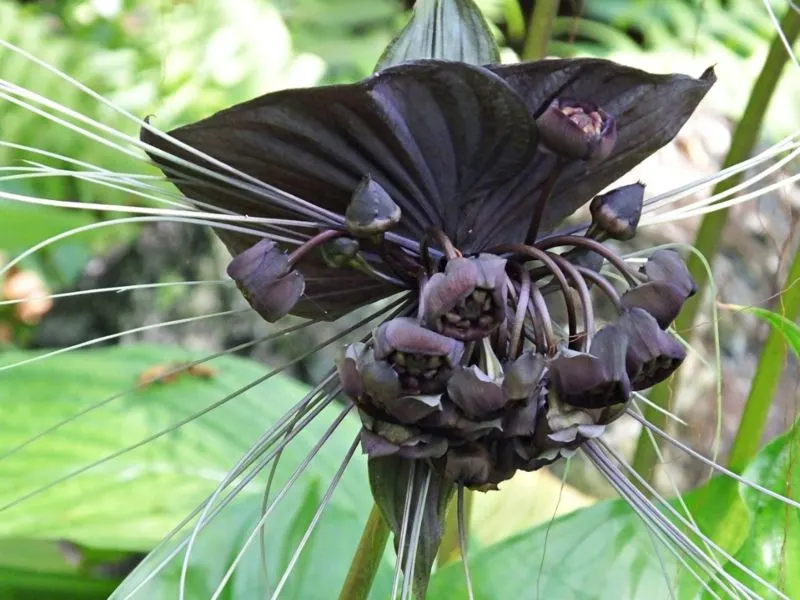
446, 181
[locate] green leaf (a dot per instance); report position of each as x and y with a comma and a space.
789, 329
160, 483
444, 30
133, 501
601, 552
25, 225
772, 547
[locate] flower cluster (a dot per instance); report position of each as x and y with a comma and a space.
446, 181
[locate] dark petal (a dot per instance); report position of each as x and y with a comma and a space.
649, 111
412, 409
520, 421
661, 299
347, 368
371, 210
416, 445
667, 265
617, 212
406, 335
475, 393
443, 291
594, 380
380, 382
523, 376
452, 421
446, 30
653, 355
466, 302
263, 275
434, 135
469, 465
389, 479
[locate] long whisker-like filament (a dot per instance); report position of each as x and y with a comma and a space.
416, 530
114, 336
650, 219
309, 409
462, 541
256, 186
402, 542
315, 519
694, 529
645, 508
207, 409
690, 211
108, 400
278, 497
319, 393
670, 415
715, 466
117, 289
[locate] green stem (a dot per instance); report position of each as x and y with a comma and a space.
449, 548
540, 29
709, 234
767, 377
367, 559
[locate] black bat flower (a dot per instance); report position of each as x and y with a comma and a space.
446, 180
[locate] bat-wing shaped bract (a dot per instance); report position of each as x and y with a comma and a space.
454, 145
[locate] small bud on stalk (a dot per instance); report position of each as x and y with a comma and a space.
577, 130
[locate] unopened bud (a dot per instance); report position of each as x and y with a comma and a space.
577, 130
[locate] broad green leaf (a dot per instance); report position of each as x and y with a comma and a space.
444, 30
26, 225
600, 552
318, 575
131, 502
154, 486
772, 547
789, 329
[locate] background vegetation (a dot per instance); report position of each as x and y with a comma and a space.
181, 60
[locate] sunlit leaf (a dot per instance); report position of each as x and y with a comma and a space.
158, 484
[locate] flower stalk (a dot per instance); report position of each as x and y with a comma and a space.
540, 29
367, 558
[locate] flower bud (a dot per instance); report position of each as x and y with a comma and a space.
340, 252
577, 130
468, 301
669, 287
423, 359
371, 210
594, 380
616, 214
653, 355
264, 276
